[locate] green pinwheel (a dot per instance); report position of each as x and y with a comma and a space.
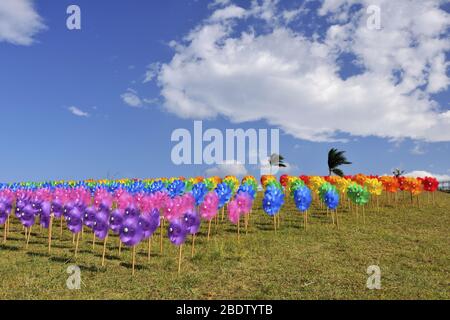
357, 194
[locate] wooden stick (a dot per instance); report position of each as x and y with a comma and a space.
238, 228
161, 236
133, 260
275, 223
364, 214
120, 247
179, 259
337, 218
28, 237
149, 248
305, 219
104, 250
193, 246
223, 212
50, 234
209, 228
5, 232
77, 243
93, 241
61, 227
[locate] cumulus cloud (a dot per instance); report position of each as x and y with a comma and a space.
421, 173
78, 112
19, 22
131, 98
292, 80
227, 168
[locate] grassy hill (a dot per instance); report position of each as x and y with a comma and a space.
410, 245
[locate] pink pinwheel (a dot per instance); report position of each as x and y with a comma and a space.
125, 200
209, 206
244, 202
234, 213
171, 209
187, 202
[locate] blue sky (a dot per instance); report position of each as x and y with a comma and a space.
55, 70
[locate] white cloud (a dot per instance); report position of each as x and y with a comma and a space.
292, 80
229, 12
131, 98
420, 173
78, 112
227, 168
152, 72
19, 22
417, 149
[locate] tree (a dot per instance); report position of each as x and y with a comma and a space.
398, 173
336, 158
276, 160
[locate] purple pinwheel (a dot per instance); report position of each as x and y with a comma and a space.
4, 213
57, 208
149, 222
132, 211
130, 231
89, 216
74, 220
67, 208
27, 216
36, 204
191, 222
115, 220
44, 214
177, 233
101, 224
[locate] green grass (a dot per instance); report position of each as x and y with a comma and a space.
411, 245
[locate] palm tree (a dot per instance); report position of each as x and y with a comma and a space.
398, 173
336, 158
276, 160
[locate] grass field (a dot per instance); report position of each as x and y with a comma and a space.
411, 245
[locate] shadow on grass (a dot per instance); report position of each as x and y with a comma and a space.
38, 254
8, 248
128, 265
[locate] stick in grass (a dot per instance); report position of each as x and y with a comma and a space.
50, 234
193, 246
28, 237
76, 244
179, 259
209, 228
133, 260
104, 250
149, 247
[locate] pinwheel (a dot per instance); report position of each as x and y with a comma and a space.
101, 228
359, 196
224, 192
375, 188
244, 200
331, 200
199, 191
131, 234
74, 219
272, 201
430, 184
177, 235
208, 208
4, 216
176, 188
303, 199
191, 222
149, 223
27, 218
